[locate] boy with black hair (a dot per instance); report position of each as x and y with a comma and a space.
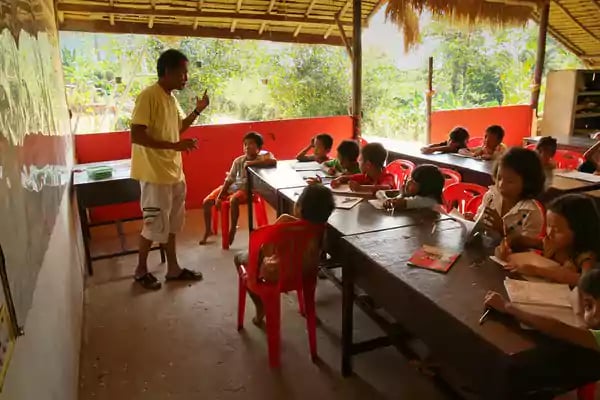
492, 148
457, 140
234, 187
346, 161
374, 177
320, 145
546, 148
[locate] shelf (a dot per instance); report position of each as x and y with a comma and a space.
588, 115
589, 93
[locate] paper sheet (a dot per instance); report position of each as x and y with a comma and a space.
538, 293
345, 190
471, 227
378, 204
580, 176
345, 202
307, 166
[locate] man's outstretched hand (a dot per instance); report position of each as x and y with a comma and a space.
186, 145
202, 103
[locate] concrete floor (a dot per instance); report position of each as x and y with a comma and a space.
181, 342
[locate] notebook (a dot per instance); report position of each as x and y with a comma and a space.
553, 300
345, 202
580, 176
345, 190
530, 258
307, 166
433, 258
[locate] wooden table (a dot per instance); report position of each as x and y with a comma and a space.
497, 360
562, 185
573, 143
118, 189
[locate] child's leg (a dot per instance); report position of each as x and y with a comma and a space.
237, 198
242, 259
207, 206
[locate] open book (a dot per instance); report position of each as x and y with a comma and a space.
345, 190
553, 300
345, 202
433, 258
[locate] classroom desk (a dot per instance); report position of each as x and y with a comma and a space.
496, 360
573, 143
119, 188
562, 185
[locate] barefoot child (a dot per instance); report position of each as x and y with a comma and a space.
320, 145
314, 205
234, 187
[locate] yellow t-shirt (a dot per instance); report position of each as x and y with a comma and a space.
161, 114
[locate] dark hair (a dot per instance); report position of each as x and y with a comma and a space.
374, 153
528, 165
549, 143
431, 181
316, 204
326, 140
589, 283
169, 59
583, 217
349, 150
496, 130
256, 137
459, 135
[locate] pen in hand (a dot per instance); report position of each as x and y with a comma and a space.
484, 316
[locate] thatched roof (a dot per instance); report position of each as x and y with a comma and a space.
301, 21
575, 23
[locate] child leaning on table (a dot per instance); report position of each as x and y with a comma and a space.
374, 177
314, 205
508, 208
346, 161
320, 145
234, 187
457, 140
572, 240
492, 148
589, 289
423, 189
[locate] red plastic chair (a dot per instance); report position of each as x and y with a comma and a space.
473, 205
260, 213
587, 392
291, 242
399, 173
459, 194
475, 142
450, 176
362, 142
567, 159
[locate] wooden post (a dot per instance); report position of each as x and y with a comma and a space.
541, 58
429, 98
356, 68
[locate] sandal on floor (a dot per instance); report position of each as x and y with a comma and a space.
185, 275
148, 281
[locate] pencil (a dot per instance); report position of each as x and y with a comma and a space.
484, 316
433, 228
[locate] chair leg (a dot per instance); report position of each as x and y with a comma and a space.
273, 316
260, 212
311, 318
225, 225
241, 303
301, 307
215, 220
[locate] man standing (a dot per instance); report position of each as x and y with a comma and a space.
156, 127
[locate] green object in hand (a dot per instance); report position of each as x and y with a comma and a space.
101, 172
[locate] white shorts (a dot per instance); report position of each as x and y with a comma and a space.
163, 209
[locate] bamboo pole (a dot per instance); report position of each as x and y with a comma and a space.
356, 68
541, 58
429, 98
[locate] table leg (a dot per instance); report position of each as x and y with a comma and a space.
249, 189
347, 317
85, 235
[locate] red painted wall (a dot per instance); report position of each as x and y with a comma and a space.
516, 121
218, 145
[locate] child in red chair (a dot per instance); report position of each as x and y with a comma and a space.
457, 140
546, 148
492, 148
314, 205
320, 145
234, 187
374, 177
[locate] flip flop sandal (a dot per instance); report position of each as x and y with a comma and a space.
185, 275
148, 281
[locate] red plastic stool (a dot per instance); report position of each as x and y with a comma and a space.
260, 213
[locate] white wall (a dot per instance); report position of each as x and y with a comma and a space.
45, 362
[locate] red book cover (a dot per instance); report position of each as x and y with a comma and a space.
433, 258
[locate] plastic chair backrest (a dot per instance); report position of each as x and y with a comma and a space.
362, 142
459, 194
567, 159
531, 147
475, 142
291, 242
400, 173
450, 176
473, 205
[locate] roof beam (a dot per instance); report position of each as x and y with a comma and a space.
262, 28
297, 31
170, 30
95, 9
233, 24
344, 37
310, 7
271, 5
339, 14
238, 7
575, 20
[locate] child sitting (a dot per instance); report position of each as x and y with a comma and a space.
320, 145
234, 187
346, 161
374, 177
572, 240
591, 164
546, 148
589, 337
457, 140
423, 190
492, 148
509, 208
314, 205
